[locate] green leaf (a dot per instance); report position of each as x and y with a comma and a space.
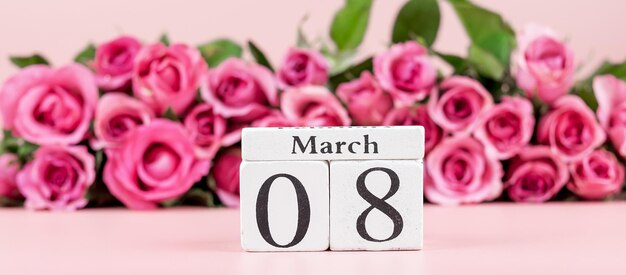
417, 18
165, 39
259, 56
170, 114
485, 63
350, 23
86, 55
350, 73
616, 69
459, 64
216, 51
25, 61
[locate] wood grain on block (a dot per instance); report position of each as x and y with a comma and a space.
376, 205
333, 143
284, 205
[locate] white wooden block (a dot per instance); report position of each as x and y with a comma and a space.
284, 205
333, 143
376, 205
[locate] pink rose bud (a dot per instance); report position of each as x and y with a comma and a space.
57, 178
226, 175
117, 115
168, 76
570, 128
596, 176
536, 174
49, 106
611, 95
460, 172
274, 119
303, 67
9, 166
416, 115
367, 103
459, 104
507, 127
543, 65
207, 130
114, 63
406, 72
313, 106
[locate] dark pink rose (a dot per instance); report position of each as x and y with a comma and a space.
303, 67
49, 106
460, 172
208, 130
459, 104
507, 127
570, 128
596, 176
313, 106
274, 119
57, 178
367, 103
416, 115
536, 174
117, 115
114, 63
168, 76
226, 175
611, 95
159, 164
406, 72
9, 166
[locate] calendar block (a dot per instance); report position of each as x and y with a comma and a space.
376, 205
284, 205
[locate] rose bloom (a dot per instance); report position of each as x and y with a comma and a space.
226, 176
570, 128
49, 106
416, 115
596, 176
536, 174
459, 104
507, 127
240, 90
156, 166
57, 178
460, 172
117, 115
543, 65
611, 95
209, 131
406, 72
114, 63
313, 106
367, 103
168, 77
303, 67
274, 119
9, 166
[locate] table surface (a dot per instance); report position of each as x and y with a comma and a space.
499, 238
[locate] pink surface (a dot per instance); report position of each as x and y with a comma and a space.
556, 238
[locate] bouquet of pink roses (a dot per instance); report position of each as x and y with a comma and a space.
159, 124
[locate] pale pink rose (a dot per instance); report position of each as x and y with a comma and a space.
507, 127
460, 172
117, 115
159, 164
570, 128
114, 63
49, 106
302, 67
165, 77
9, 166
208, 130
57, 178
536, 174
596, 176
239, 90
416, 115
459, 103
543, 65
367, 103
274, 119
406, 72
226, 175
611, 95
313, 106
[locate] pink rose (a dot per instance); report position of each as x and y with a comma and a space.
9, 166
570, 128
416, 115
406, 72
209, 130
239, 90
611, 95
57, 178
117, 115
367, 102
460, 172
536, 174
49, 106
543, 65
303, 67
226, 175
596, 176
507, 127
156, 166
313, 106
274, 119
114, 63
459, 104
168, 76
